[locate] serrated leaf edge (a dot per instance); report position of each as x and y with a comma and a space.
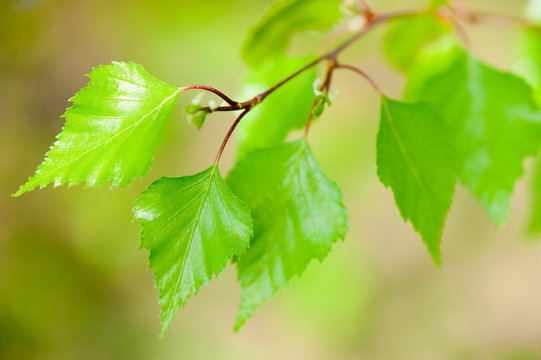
215, 273
59, 181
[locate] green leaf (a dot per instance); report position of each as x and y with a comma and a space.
535, 218
286, 109
528, 62
193, 109
321, 101
497, 124
298, 215
197, 119
112, 130
319, 107
192, 226
271, 35
527, 65
435, 58
416, 158
407, 37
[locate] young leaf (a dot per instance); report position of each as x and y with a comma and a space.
262, 127
416, 158
405, 39
271, 35
497, 124
193, 109
196, 115
322, 100
298, 214
112, 130
192, 226
198, 120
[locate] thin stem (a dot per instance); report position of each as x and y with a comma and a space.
409, 13
378, 19
472, 17
264, 94
212, 90
309, 121
369, 25
367, 9
479, 16
372, 20
353, 25
332, 54
462, 34
333, 63
223, 108
228, 135
363, 74
364, 5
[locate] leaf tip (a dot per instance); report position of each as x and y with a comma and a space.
437, 260
435, 254
22, 189
166, 323
164, 330
239, 323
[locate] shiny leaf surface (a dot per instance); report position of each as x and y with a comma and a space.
112, 130
298, 215
192, 226
497, 124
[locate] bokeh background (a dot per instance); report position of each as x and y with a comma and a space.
74, 283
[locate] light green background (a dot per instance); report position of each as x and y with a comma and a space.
74, 285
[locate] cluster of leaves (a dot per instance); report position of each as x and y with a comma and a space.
277, 211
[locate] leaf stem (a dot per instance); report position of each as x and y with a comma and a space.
332, 64
366, 9
368, 26
486, 17
372, 20
310, 118
363, 74
332, 54
210, 89
228, 135
469, 16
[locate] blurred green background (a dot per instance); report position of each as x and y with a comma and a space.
74, 284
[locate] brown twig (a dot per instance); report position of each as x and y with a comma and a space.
472, 17
487, 17
372, 20
462, 34
363, 74
367, 10
228, 135
325, 86
231, 102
